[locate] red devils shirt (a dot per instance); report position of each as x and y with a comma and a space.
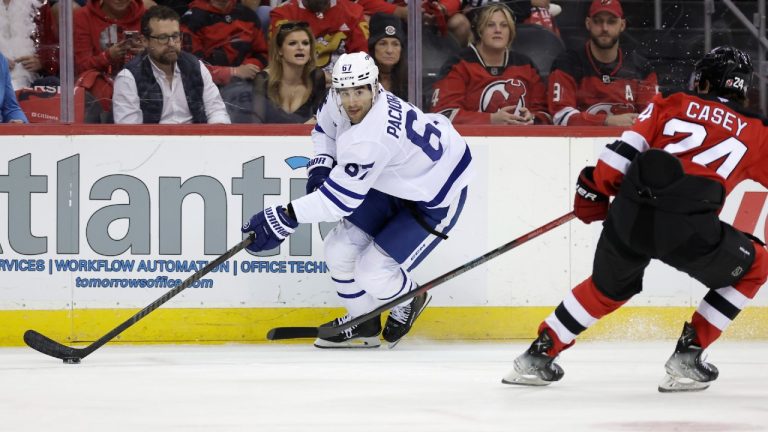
469, 91
340, 29
583, 91
712, 137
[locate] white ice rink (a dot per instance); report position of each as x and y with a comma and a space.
417, 387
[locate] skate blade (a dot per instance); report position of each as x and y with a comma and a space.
671, 384
392, 344
361, 342
526, 380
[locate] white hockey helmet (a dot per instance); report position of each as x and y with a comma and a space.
355, 70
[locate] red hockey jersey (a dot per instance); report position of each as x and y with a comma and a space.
582, 91
224, 38
388, 6
340, 29
469, 91
712, 137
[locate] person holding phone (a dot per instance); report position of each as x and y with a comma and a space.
101, 48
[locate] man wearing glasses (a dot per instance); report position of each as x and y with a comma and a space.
165, 84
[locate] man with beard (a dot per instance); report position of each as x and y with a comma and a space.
164, 84
600, 84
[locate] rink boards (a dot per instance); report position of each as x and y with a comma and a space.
103, 221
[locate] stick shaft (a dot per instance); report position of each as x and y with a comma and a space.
303, 332
47, 346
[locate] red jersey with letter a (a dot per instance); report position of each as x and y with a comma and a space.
583, 91
340, 29
713, 138
470, 91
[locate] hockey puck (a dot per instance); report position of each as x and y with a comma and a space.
72, 360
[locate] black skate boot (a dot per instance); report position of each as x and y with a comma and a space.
686, 369
363, 335
402, 317
534, 367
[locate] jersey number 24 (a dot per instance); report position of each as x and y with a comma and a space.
731, 148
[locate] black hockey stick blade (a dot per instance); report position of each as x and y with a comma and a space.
292, 333
48, 346
325, 332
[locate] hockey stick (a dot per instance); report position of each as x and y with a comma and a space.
279, 333
71, 355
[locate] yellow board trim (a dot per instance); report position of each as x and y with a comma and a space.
437, 323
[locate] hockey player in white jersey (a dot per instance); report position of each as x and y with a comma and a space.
396, 178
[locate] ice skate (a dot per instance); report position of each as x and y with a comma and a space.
402, 317
364, 335
686, 369
534, 367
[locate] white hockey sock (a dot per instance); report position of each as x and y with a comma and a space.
356, 300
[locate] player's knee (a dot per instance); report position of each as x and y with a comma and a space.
337, 253
377, 273
343, 245
736, 259
758, 272
615, 291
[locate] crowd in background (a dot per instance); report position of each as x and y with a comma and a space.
136, 61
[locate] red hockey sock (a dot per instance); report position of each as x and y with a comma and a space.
575, 314
595, 302
709, 322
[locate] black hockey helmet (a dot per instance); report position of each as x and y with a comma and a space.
728, 71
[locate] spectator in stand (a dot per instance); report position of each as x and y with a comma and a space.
435, 13
524, 11
387, 44
338, 26
10, 112
165, 84
179, 6
226, 36
104, 40
290, 89
601, 84
29, 41
487, 83
543, 14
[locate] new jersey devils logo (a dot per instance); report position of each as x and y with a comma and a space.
611, 108
503, 93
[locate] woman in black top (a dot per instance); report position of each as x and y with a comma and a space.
289, 90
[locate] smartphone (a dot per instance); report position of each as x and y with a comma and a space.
131, 34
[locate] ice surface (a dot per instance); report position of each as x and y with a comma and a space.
419, 386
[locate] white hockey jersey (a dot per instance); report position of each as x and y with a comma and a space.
396, 149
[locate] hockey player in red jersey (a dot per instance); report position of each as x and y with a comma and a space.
670, 175
487, 83
600, 84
